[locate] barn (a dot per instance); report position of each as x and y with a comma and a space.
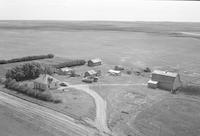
94, 62
45, 82
165, 80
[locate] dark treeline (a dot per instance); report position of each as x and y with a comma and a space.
70, 64
27, 58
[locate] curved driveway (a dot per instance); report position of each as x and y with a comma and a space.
101, 106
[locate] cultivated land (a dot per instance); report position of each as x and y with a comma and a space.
131, 108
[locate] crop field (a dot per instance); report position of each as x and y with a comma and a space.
132, 108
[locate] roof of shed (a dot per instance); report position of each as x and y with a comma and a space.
95, 60
165, 73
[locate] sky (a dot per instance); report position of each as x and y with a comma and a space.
111, 10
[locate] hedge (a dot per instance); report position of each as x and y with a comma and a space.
70, 63
27, 58
24, 89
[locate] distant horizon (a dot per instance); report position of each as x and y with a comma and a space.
101, 10
1, 20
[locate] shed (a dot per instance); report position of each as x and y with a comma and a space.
152, 84
90, 73
119, 68
94, 62
166, 80
44, 82
114, 72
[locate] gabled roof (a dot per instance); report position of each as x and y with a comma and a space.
114, 71
92, 72
165, 73
95, 60
66, 69
43, 78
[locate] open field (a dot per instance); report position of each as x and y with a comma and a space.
132, 108
12, 124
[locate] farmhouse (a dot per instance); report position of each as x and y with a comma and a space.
94, 62
165, 80
90, 73
45, 82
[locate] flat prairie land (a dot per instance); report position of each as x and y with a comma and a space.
13, 124
132, 109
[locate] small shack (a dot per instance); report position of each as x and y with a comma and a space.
91, 73
165, 80
119, 68
45, 82
66, 70
94, 62
114, 72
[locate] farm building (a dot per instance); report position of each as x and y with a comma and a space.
90, 73
114, 72
66, 70
94, 62
165, 80
44, 82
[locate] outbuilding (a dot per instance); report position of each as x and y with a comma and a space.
94, 62
90, 73
45, 82
165, 80
114, 72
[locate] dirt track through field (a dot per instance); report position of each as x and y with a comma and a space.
50, 117
101, 106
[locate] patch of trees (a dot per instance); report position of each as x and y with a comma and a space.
24, 89
29, 71
70, 64
27, 58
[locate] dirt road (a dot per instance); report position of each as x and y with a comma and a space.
50, 117
101, 106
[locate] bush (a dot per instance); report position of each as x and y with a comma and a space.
129, 72
70, 64
147, 69
46, 96
27, 58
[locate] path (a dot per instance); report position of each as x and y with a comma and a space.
101, 106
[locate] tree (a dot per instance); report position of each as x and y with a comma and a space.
29, 71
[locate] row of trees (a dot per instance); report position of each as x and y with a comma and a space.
29, 71
70, 63
27, 58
